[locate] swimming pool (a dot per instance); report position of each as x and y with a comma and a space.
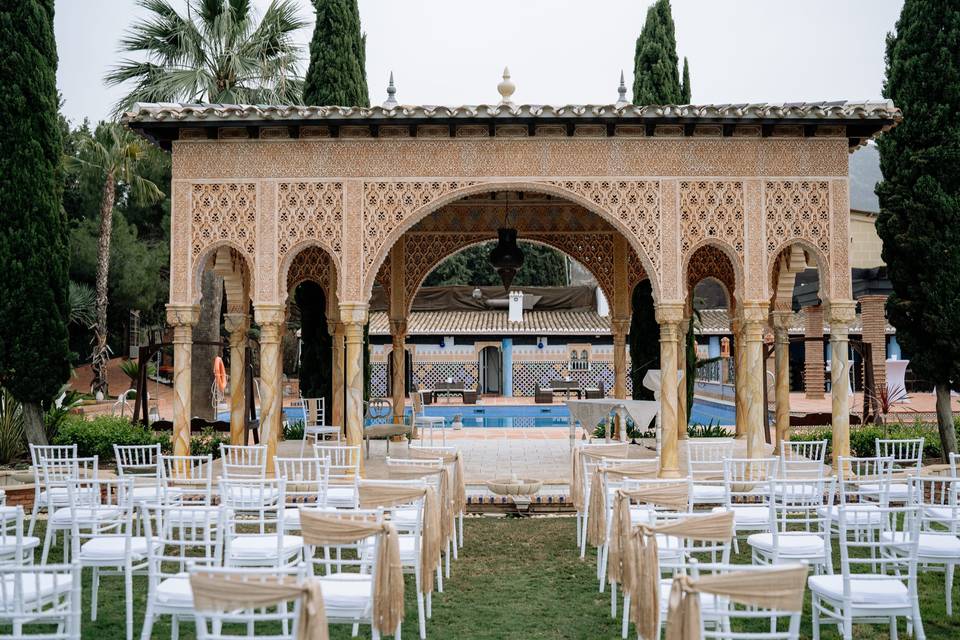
532, 415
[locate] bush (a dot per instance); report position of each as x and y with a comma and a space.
293, 430
96, 437
710, 430
863, 438
208, 441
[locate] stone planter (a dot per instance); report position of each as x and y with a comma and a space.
18, 486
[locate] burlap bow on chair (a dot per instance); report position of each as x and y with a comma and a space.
416, 472
596, 517
576, 466
458, 485
328, 529
778, 588
220, 592
373, 494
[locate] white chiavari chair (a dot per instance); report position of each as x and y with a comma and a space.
877, 582
59, 476
343, 463
186, 480
40, 602
142, 464
746, 483
42, 496
243, 460
254, 524
802, 458
580, 484
642, 468
217, 622
705, 458
862, 485
938, 546
798, 528
15, 548
178, 538
315, 425
907, 458
450, 453
306, 482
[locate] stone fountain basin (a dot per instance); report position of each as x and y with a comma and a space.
514, 486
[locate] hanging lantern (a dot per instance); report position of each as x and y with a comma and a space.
506, 257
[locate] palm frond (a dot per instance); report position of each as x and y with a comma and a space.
82, 299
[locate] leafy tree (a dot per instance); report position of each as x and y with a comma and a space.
656, 79
34, 303
919, 220
117, 154
216, 52
685, 85
543, 266
337, 74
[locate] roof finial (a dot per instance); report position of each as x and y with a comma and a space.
506, 88
622, 92
391, 94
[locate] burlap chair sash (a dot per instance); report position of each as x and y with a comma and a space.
576, 467
219, 592
779, 589
642, 576
457, 481
373, 495
621, 557
416, 472
596, 513
327, 529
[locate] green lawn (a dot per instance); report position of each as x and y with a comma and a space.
515, 578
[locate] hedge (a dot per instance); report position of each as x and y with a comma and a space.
863, 438
96, 437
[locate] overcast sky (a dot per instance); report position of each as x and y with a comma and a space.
559, 51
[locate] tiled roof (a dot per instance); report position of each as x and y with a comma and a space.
546, 323
144, 112
494, 322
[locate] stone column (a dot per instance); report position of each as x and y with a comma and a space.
619, 328
270, 317
669, 316
841, 316
813, 384
182, 318
354, 316
781, 357
398, 331
739, 351
237, 325
874, 320
336, 377
754, 319
682, 417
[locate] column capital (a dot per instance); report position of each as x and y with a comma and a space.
353, 312
179, 315
670, 312
841, 313
754, 312
781, 320
398, 328
270, 314
236, 322
620, 327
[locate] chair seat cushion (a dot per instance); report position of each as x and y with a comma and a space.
747, 514
795, 490
930, 545
799, 545
112, 548
708, 493
896, 491
862, 514
342, 495
263, 547
880, 592
33, 587
147, 492
346, 591
240, 497
175, 591
710, 606
8, 547
945, 514
83, 515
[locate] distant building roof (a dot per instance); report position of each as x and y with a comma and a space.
494, 322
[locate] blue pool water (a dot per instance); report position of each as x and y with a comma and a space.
531, 415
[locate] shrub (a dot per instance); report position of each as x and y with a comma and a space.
709, 430
208, 441
863, 438
293, 430
96, 437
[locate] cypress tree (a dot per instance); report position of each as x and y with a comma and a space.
685, 85
919, 220
656, 79
337, 74
34, 260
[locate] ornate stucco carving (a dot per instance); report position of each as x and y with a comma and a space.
310, 211
710, 261
312, 263
711, 210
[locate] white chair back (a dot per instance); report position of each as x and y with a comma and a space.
138, 460
314, 411
799, 515
12, 550
802, 459
864, 479
280, 621
186, 480
254, 523
179, 537
939, 504
660, 512
243, 461
705, 456
306, 479
906, 453
41, 602
747, 479
343, 461
893, 553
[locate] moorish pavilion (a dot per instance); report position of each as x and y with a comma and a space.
747, 194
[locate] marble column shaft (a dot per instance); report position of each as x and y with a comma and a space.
781, 357
620, 328
739, 364
669, 317
237, 325
682, 418
398, 332
354, 319
182, 318
270, 318
754, 378
841, 317
336, 378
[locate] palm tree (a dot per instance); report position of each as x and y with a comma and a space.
116, 152
215, 53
